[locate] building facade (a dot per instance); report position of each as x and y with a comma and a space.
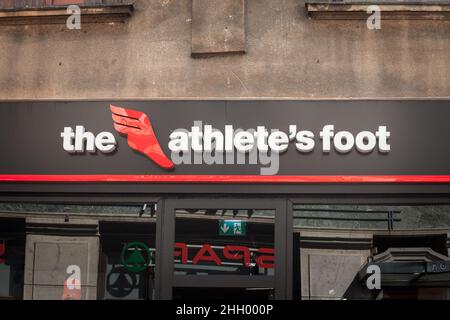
337, 187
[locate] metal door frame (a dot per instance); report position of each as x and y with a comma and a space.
165, 278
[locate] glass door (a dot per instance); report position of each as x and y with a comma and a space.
224, 248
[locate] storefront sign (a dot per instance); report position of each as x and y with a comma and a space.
232, 227
226, 141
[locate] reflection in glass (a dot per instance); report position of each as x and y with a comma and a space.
225, 242
373, 217
12, 258
127, 261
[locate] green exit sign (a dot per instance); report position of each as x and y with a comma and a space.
232, 228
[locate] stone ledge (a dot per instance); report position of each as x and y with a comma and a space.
59, 15
62, 226
336, 239
390, 10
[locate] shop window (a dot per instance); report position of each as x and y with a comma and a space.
127, 262
64, 261
12, 258
339, 242
224, 242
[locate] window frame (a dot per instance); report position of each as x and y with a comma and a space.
92, 11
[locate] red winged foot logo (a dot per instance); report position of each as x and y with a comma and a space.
137, 127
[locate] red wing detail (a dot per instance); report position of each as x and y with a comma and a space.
141, 137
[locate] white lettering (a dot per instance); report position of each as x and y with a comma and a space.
244, 141
383, 136
365, 141
105, 142
326, 134
305, 141
344, 141
82, 140
278, 141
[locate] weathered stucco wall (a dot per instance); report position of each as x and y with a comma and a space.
288, 55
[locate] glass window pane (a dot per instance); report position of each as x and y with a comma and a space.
12, 258
72, 256
227, 242
128, 261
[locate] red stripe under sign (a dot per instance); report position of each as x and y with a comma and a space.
217, 179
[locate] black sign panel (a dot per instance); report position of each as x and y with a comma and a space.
32, 147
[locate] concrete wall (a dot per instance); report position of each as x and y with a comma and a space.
287, 55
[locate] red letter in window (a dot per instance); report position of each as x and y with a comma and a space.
183, 251
266, 261
200, 256
2, 252
227, 253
